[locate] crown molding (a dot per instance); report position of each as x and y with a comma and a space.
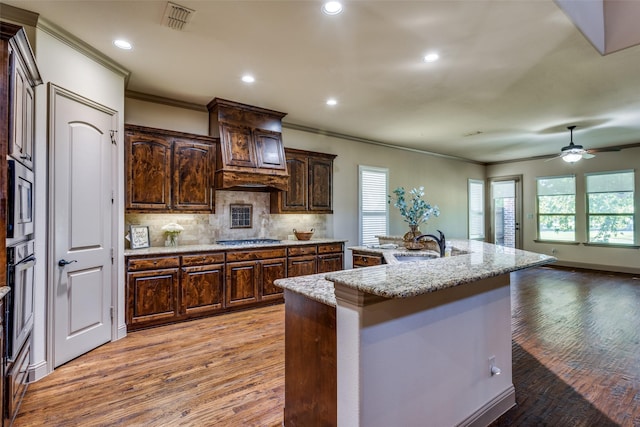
84, 48
17, 15
164, 101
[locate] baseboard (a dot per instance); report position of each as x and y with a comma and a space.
38, 371
597, 267
121, 332
492, 410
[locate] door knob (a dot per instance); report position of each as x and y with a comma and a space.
64, 262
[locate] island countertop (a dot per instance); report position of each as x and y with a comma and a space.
474, 261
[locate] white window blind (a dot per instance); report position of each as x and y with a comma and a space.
476, 209
373, 206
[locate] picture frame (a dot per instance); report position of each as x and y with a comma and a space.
139, 235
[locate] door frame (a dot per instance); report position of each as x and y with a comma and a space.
50, 269
489, 207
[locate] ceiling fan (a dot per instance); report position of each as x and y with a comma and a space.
574, 152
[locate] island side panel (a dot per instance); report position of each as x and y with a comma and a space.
310, 362
426, 357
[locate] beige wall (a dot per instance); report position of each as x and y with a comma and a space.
607, 258
445, 180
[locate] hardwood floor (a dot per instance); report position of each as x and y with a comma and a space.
576, 355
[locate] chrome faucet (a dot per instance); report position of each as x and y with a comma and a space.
442, 243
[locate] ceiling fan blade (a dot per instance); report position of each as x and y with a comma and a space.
604, 150
587, 155
555, 157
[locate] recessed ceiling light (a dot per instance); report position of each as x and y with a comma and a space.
431, 57
332, 8
332, 101
248, 78
122, 44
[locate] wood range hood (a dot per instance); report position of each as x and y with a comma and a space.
250, 155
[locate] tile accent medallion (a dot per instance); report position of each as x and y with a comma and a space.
241, 216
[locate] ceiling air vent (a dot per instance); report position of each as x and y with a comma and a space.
176, 16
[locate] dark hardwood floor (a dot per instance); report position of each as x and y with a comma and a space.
576, 355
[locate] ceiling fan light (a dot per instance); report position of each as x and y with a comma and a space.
572, 157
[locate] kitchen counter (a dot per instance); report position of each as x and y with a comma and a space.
403, 341
161, 250
470, 261
4, 290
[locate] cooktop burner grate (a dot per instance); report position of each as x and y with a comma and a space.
246, 241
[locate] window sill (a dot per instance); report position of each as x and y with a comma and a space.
612, 245
557, 242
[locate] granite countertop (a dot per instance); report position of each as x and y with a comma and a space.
470, 261
169, 250
4, 290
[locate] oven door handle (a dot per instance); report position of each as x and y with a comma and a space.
28, 262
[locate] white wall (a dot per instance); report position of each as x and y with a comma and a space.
65, 67
445, 180
606, 258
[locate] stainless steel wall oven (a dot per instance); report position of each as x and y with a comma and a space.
19, 202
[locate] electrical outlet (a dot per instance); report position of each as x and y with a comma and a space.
554, 251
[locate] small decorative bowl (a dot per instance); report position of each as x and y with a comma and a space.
303, 235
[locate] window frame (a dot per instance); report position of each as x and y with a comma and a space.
573, 214
471, 213
589, 215
361, 213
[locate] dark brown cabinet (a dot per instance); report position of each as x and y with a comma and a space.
251, 273
365, 259
168, 171
250, 152
202, 284
167, 289
310, 184
152, 291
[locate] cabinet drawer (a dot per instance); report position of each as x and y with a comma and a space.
256, 254
202, 259
137, 264
329, 248
366, 260
301, 250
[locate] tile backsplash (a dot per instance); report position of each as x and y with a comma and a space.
205, 228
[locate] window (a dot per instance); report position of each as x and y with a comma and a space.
476, 209
610, 207
557, 208
373, 205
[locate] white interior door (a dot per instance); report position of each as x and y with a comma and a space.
81, 183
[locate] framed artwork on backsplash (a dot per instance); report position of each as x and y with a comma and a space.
241, 216
139, 235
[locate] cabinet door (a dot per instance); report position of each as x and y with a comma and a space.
272, 270
295, 199
301, 266
193, 165
320, 184
269, 150
202, 289
238, 147
242, 283
21, 121
152, 297
148, 169
364, 260
330, 262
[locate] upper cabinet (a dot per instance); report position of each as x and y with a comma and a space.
23, 77
250, 154
168, 171
310, 184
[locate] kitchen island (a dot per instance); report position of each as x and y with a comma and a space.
408, 343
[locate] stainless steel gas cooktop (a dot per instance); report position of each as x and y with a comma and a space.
246, 241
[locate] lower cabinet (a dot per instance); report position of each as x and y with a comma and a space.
202, 284
366, 259
167, 289
16, 382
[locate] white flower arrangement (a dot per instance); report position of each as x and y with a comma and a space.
172, 230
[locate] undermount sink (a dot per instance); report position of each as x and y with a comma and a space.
410, 258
